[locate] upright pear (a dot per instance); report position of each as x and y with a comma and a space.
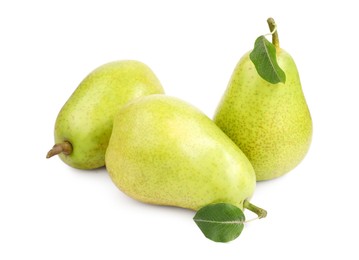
164, 151
271, 123
84, 124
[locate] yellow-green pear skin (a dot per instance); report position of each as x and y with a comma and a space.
270, 123
86, 119
165, 151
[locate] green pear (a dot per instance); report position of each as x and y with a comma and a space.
165, 151
84, 124
270, 123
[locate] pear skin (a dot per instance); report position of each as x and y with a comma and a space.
270, 123
164, 151
84, 124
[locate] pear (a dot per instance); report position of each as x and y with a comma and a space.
165, 151
84, 124
270, 123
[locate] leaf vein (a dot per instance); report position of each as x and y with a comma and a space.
220, 222
270, 60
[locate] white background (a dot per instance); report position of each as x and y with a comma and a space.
51, 211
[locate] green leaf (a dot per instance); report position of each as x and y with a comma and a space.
264, 58
220, 222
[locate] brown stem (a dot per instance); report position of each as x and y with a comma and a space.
273, 29
65, 148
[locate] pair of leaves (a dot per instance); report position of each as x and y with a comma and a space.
220, 222
224, 222
264, 58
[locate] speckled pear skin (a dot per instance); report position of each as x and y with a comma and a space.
86, 119
165, 151
271, 123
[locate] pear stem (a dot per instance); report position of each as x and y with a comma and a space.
273, 28
65, 148
261, 213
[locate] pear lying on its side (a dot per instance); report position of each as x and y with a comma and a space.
84, 124
164, 151
270, 123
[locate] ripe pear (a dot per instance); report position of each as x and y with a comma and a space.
84, 124
165, 151
270, 123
